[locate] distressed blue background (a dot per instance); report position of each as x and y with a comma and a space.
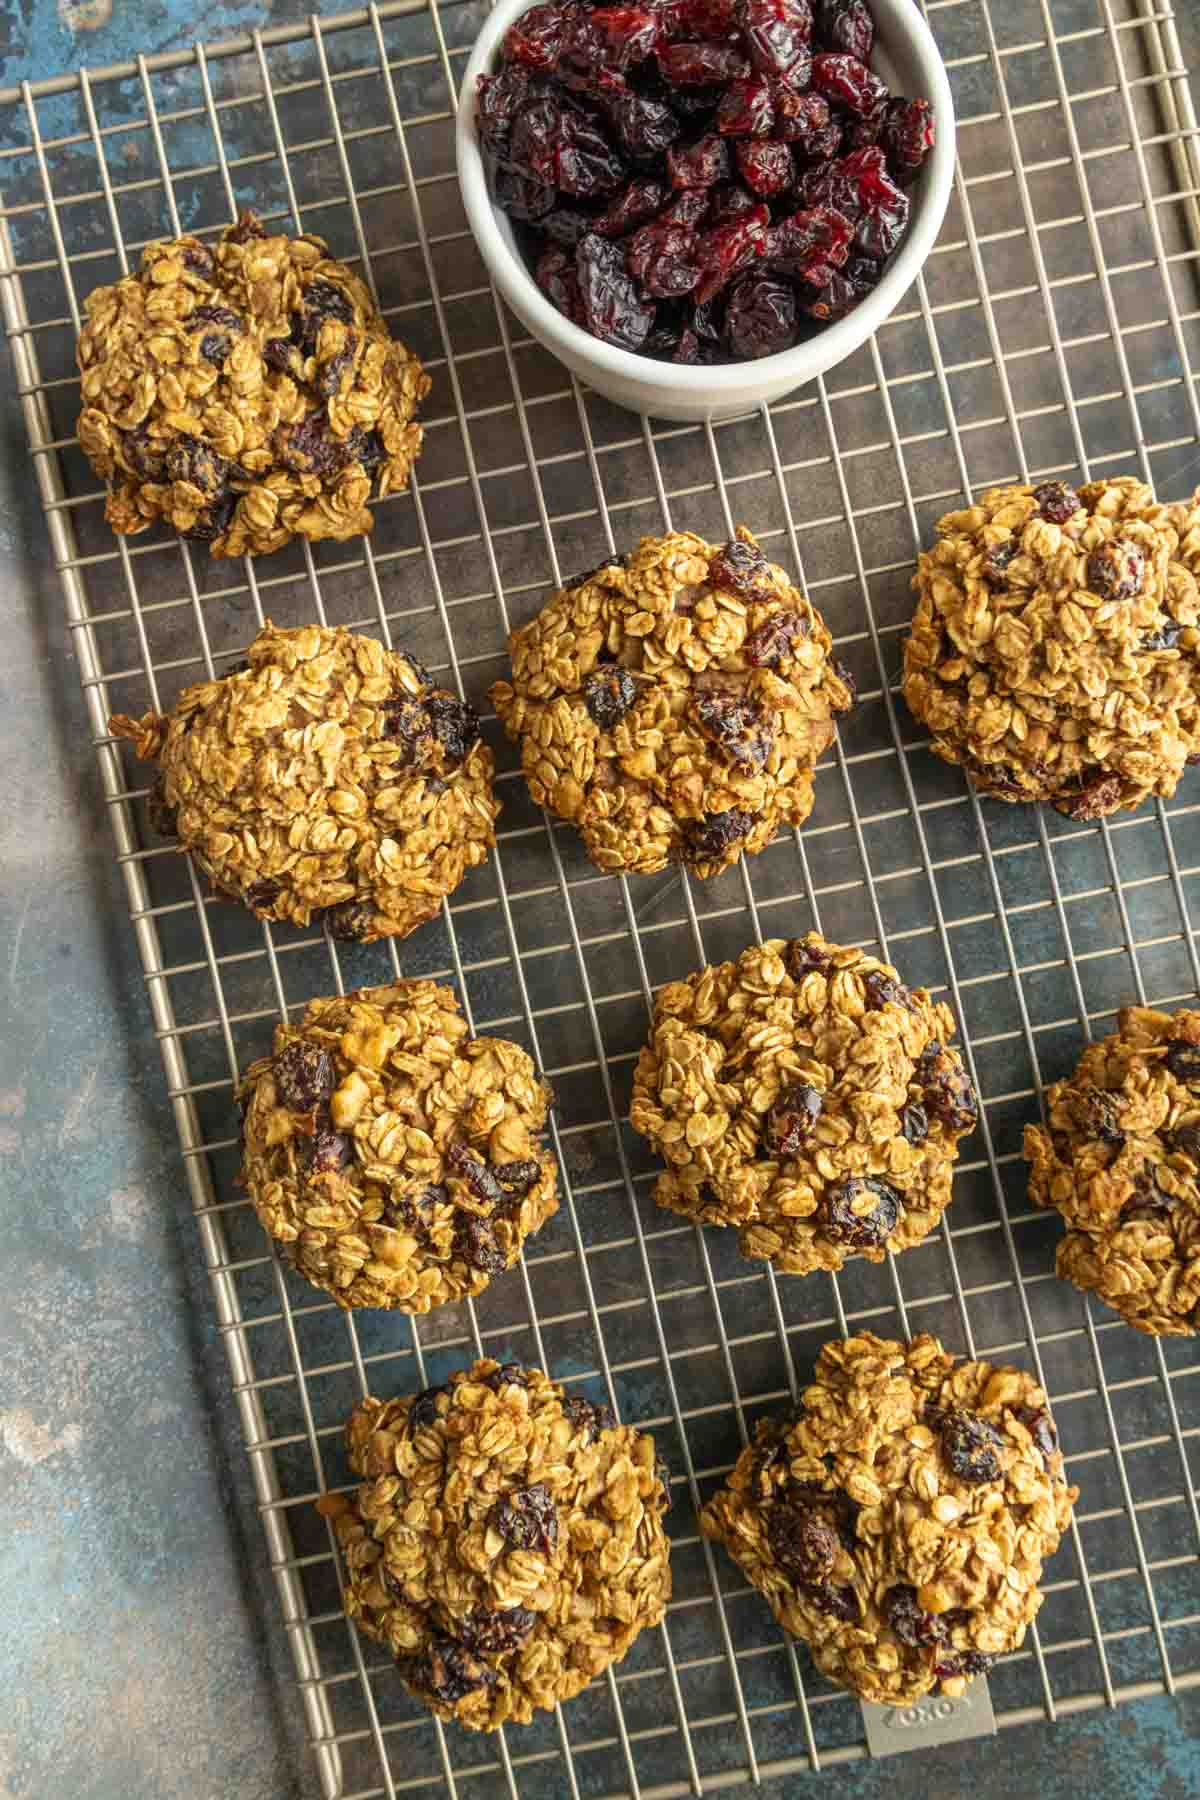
143, 1657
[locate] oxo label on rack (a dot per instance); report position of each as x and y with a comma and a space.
935, 1719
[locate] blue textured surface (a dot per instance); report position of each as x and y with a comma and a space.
146, 1659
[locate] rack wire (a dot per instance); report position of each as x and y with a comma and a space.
1055, 330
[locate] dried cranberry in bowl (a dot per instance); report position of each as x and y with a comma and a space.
697, 181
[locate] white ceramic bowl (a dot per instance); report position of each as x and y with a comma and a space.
908, 60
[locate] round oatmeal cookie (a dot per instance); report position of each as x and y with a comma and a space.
507, 1543
246, 393
672, 703
899, 1520
804, 1094
1119, 1157
326, 775
395, 1158
1053, 651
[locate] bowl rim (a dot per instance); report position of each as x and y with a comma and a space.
721, 381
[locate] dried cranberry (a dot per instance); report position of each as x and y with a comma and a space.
778, 34
1116, 570
907, 136
803, 957
190, 459
803, 1543
278, 353
309, 447
1040, 1426
555, 275
848, 82
1183, 1061
839, 296
447, 1672
739, 568
499, 98
1056, 501
527, 1519
455, 724
248, 227
351, 921
1101, 1115
406, 722
1185, 1140
969, 1445
627, 34
587, 1417
608, 693
329, 381
304, 1076
263, 893
700, 18
423, 1408
199, 260
790, 1122
612, 308
809, 245
882, 989
712, 835
213, 521
846, 27
962, 1662
764, 165
645, 127
509, 1374
563, 147
772, 642
321, 300
565, 225
477, 1175
761, 317
914, 1123
517, 1178
1094, 797
839, 1602
881, 226
145, 456
845, 1222
1165, 638
326, 1152
521, 197
746, 108
690, 207
949, 1096
661, 258
639, 200
728, 201
214, 346
487, 1633
700, 65
800, 118
996, 560
726, 249
475, 1242
909, 1620
698, 165
738, 724
535, 39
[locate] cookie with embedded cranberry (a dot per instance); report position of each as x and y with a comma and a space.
672, 703
899, 1521
1119, 1157
807, 1096
326, 777
395, 1159
1053, 652
507, 1543
245, 393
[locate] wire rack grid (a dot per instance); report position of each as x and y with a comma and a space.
1055, 330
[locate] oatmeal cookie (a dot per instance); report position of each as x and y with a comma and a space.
507, 1543
804, 1094
326, 773
898, 1522
1054, 647
245, 393
396, 1158
672, 703
1120, 1159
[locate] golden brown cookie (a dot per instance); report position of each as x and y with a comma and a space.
507, 1543
328, 775
1053, 651
1119, 1156
245, 393
672, 703
804, 1094
898, 1522
396, 1159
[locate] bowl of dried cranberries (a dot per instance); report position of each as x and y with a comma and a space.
699, 205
